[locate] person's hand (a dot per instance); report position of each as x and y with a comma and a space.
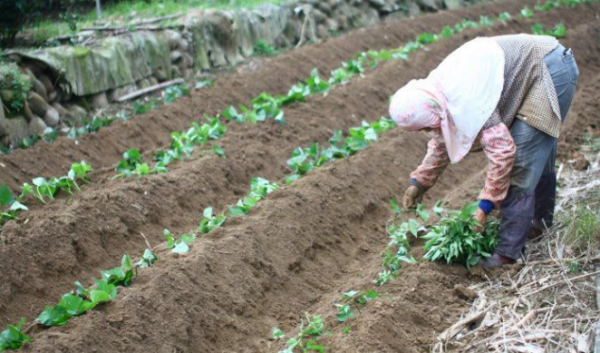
481, 218
412, 197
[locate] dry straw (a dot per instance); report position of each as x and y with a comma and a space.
548, 303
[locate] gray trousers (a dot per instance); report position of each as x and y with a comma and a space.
532, 191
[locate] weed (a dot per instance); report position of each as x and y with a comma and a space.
171, 94
583, 229
263, 48
15, 87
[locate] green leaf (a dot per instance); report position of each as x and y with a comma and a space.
203, 83
181, 248
424, 215
12, 338
148, 259
53, 316
169, 238
344, 312
218, 150
438, 209
277, 334
17, 206
75, 305
394, 205
413, 226
6, 196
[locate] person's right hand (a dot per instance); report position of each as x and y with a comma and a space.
412, 197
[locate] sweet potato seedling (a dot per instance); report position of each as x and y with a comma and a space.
306, 340
354, 299
259, 189
181, 246
211, 222
13, 337
148, 259
120, 276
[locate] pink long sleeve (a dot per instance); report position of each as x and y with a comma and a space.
435, 162
499, 147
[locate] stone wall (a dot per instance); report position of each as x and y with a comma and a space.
69, 82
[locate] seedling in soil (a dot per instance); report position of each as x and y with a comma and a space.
259, 189
447, 32
144, 106
120, 276
77, 303
353, 299
203, 83
80, 171
486, 21
129, 162
147, 260
315, 84
181, 246
211, 222
504, 17
13, 337
559, 31
526, 13
10, 206
454, 239
267, 106
306, 340
171, 94
427, 38
465, 24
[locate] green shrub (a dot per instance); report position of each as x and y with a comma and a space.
15, 88
263, 48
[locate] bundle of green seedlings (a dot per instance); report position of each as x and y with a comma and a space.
43, 189
452, 239
306, 339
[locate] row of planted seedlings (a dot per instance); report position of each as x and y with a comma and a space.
82, 299
266, 106
453, 239
261, 108
303, 160
101, 120
171, 94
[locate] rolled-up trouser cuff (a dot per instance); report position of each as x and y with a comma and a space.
517, 214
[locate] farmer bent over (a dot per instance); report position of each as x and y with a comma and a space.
507, 96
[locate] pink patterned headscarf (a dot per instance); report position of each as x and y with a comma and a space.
418, 105
457, 98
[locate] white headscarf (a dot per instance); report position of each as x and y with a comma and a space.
458, 97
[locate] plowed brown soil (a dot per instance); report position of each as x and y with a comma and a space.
295, 252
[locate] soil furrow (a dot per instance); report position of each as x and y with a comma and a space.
275, 75
74, 239
299, 245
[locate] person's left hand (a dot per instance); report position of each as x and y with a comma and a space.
481, 218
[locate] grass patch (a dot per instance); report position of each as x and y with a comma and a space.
582, 230
263, 48
126, 11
